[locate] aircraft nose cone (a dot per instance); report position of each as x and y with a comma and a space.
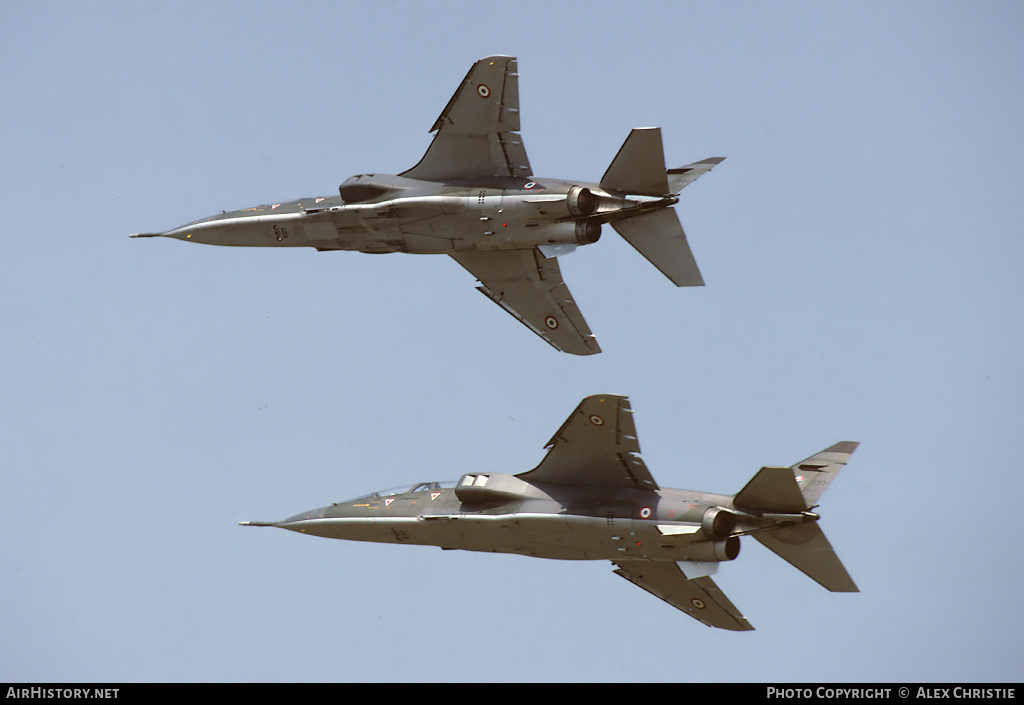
311, 515
207, 231
185, 232
304, 523
300, 522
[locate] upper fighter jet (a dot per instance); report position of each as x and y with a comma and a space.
473, 196
592, 498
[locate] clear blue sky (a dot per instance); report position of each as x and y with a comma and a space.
862, 246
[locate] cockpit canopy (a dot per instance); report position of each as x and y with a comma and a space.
406, 489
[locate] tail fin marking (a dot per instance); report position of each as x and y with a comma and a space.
814, 474
680, 178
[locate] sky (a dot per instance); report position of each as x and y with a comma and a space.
862, 248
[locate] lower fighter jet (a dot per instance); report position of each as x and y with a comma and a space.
592, 498
473, 196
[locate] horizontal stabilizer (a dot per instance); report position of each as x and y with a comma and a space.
658, 236
680, 178
805, 547
772, 490
639, 166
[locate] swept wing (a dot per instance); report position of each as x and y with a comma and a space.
478, 137
478, 131
530, 287
597, 445
700, 597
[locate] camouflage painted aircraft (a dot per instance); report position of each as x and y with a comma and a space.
592, 498
473, 196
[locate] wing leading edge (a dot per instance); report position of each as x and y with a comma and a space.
478, 131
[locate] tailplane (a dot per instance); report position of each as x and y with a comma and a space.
796, 490
639, 167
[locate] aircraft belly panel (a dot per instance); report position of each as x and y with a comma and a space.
434, 235
319, 233
555, 536
510, 235
373, 237
375, 529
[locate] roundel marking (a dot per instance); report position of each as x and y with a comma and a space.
529, 184
483, 91
596, 420
645, 513
698, 603
551, 322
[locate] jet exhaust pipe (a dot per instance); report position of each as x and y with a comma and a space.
718, 523
581, 201
730, 548
714, 551
587, 232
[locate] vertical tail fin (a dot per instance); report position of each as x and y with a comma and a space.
639, 167
680, 178
815, 473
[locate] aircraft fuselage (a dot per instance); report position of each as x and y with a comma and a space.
383, 214
508, 515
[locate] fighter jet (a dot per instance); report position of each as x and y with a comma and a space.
592, 498
473, 196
